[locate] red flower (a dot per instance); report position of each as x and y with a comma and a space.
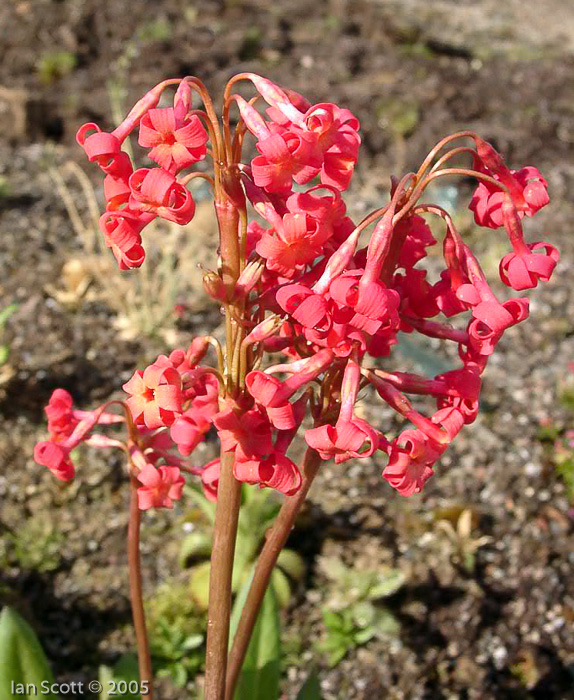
522, 270
176, 142
157, 191
529, 194
249, 434
56, 457
161, 487
276, 471
344, 440
61, 419
155, 394
411, 459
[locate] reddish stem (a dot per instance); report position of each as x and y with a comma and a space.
226, 516
275, 541
136, 598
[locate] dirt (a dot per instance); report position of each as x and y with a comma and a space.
412, 72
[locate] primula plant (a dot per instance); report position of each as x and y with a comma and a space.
303, 281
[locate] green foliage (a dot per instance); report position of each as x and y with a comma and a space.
252, 43
258, 511
559, 450
177, 628
4, 347
564, 464
5, 188
22, 659
351, 617
353, 627
158, 30
54, 65
398, 115
310, 690
35, 545
260, 674
125, 669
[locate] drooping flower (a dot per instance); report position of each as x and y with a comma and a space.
276, 471
161, 486
176, 141
155, 394
157, 191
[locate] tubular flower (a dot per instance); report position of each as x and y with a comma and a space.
55, 456
294, 242
104, 149
276, 471
157, 191
210, 479
155, 394
523, 269
161, 487
55, 453
61, 419
249, 435
411, 461
285, 156
529, 194
122, 231
176, 141
304, 282
345, 440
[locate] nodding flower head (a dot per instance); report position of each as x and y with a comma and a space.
56, 457
529, 192
347, 439
104, 149
176, 141
276, 471
161, 486
524, 269
155, 394
61, 419
157, 191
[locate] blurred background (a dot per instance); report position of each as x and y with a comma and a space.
464, 592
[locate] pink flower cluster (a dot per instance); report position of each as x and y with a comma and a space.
176, 140
308, 288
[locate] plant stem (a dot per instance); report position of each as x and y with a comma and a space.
134, 563
226, 516
275, 541
228, 489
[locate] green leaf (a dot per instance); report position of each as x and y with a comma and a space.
363, 614
292, 564
22, 659
386, 584
332, 620
333, 568
260, 674
199, 584
193, 642
196, 545
363, 636
6, 313
386, 624
4, 354
281, 587
126, 670
311, 690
